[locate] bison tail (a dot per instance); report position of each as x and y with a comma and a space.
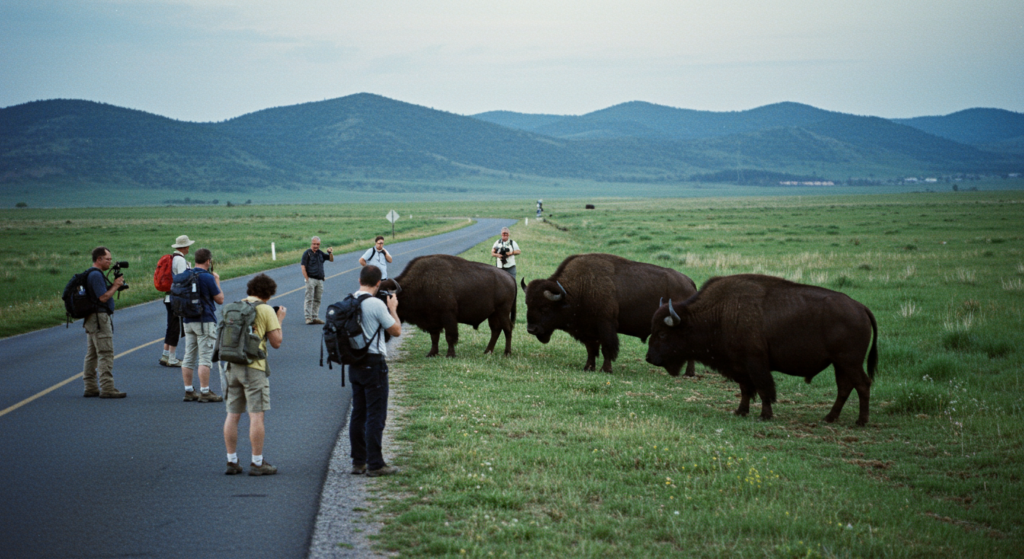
873, 354
515, 303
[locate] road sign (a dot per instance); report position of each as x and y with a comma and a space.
392, 217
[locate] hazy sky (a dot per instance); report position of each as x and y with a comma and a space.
204, 60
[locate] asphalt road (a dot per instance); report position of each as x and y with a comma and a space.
144, 476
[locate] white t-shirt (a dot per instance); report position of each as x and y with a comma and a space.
512, 246
375, 315
374, 258
178, 265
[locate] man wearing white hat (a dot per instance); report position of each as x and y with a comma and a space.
174, 328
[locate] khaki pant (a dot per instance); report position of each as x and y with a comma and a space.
200, 338
314, 292
245, 389
99, 357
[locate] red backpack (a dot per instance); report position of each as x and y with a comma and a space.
163, 277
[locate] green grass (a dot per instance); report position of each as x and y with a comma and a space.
530, 456
44, 248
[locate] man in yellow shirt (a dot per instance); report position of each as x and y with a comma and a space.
248, 387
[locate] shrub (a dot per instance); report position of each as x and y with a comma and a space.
914, 397
995, 348
843, 281
959, 340
663, 256
938, 367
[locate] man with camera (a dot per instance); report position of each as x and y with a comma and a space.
378, 256
99, 356
370, 378
313, 272
247, 387
505, 251
201, 333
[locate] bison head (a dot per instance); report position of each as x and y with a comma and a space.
547, 308
664, 349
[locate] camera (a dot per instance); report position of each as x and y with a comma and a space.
118, 266
503, 251
383, 295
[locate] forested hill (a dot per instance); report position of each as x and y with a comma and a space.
367, 136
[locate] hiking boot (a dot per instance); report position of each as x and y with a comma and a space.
316, 321
385, 471
309, 321
209, 397
233, 469
163, 360
173, 362
114, 393
91, 393
358, 469
265, 470
191, 396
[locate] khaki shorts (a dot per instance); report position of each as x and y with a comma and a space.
246, 389
200, 339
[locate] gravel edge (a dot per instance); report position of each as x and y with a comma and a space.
345, 522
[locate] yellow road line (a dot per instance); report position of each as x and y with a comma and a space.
123, 353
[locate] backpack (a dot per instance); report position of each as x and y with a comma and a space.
78, 302
185, 299
343, 335
237, 341
163, 277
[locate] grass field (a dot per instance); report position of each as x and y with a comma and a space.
530, 456
44, 248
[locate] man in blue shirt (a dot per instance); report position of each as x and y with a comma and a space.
98, 326
377, 256
201, 333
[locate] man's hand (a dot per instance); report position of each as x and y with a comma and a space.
393, 303
216, 276
118, 281
281, 312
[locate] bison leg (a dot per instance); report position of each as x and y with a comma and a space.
593, 346
495, 330
499, 324
435, 337
609, 347
451, 335
691, 368
766, 405
746, 393
847, 379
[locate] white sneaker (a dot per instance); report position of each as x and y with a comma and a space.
173, 362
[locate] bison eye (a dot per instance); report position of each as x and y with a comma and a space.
662, 335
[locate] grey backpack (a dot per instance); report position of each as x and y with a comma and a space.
237, 342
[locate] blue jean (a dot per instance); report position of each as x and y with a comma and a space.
369, 412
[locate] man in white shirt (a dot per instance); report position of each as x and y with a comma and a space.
174, 328
377, 256
370, 378
505, 251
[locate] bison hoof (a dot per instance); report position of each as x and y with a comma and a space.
862, 422
764, 417
507, 353
830, 418
432, 354
589, 368
488, 351
741, 413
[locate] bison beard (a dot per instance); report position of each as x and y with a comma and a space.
747, 326
439, 291
596, 297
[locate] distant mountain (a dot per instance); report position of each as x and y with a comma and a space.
365, 136
520, 121
972, 126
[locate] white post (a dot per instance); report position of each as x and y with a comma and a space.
273, 252
527, 221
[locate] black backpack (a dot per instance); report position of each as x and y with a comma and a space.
343, 333
78, 302
185, 299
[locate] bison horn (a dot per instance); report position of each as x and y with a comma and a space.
552, 296
564, 294
673, 318
661, 301
398, 288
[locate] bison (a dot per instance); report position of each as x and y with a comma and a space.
748, 325
439, 291
595, 297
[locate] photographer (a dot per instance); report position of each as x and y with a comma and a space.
378, 256
201, 333
313, 272
99, 356
505, 251
370, 379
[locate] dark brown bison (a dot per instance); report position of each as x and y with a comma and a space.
439, 291
747, 326
595, 297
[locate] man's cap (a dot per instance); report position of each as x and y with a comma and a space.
182, 242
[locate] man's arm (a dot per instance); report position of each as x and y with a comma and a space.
305, 276
515, 248
396, 328
330, 254
118, 282
275, 336
387, 256
219, 297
